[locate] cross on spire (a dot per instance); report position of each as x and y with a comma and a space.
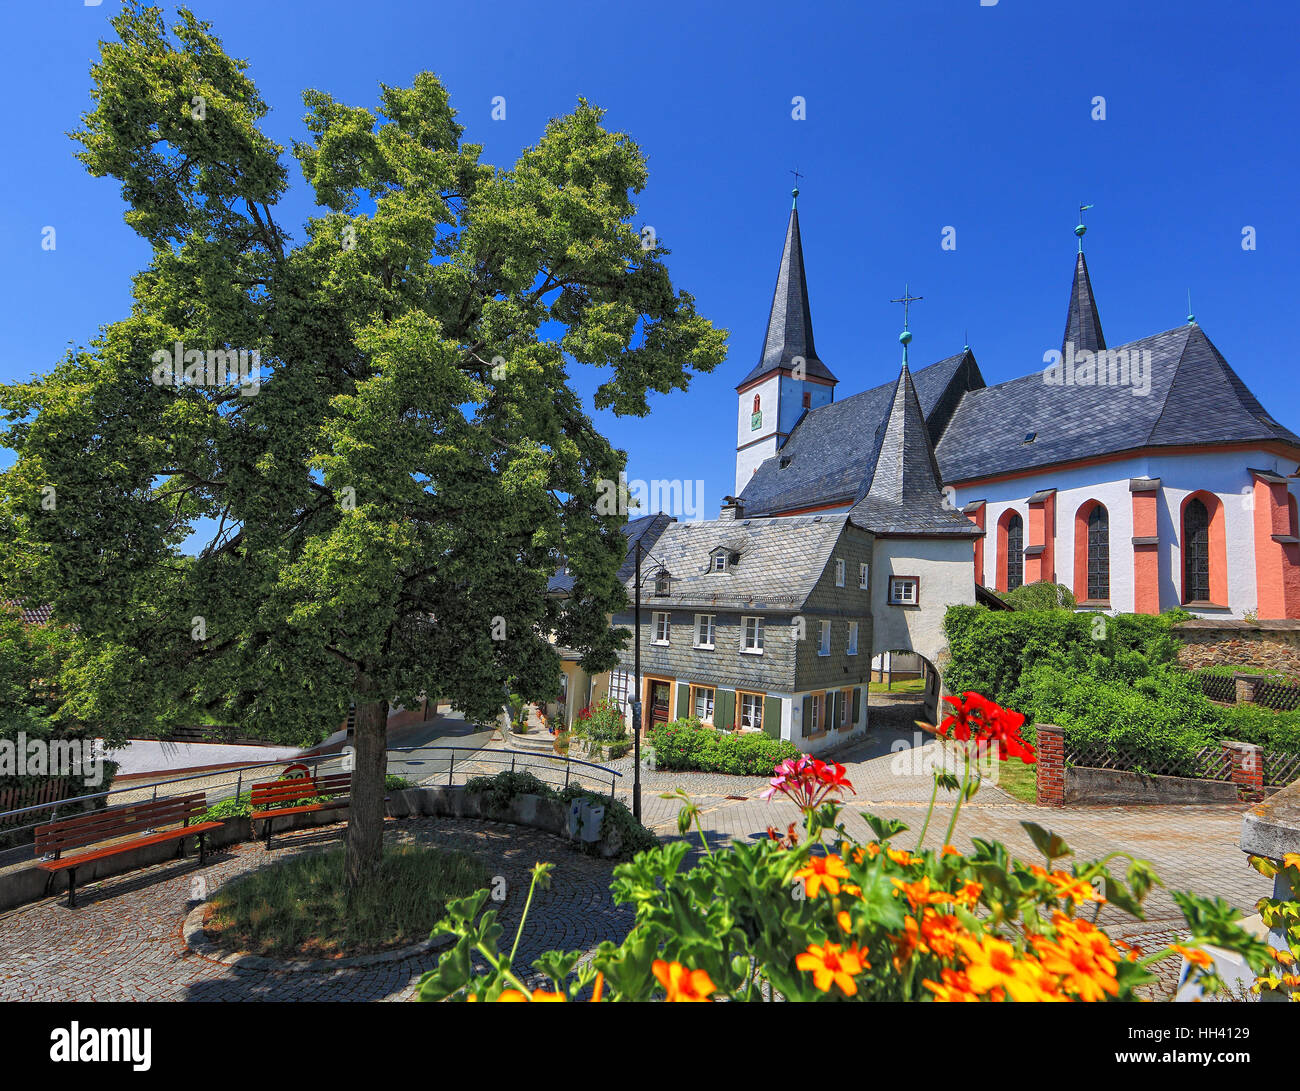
794, 193
906, 299
1082, 228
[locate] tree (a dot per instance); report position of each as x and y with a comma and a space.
383, 494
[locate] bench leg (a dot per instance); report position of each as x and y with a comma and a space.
203, 851
72, 888
269, 823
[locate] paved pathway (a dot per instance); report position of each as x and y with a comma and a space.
124, 940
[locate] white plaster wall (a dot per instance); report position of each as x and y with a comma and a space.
945, 568
1224, 473
792, 723
791, 408
749, 459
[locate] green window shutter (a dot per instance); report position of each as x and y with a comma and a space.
839, 708
724, 709
807, 716
772, 717
857, 704
683, 700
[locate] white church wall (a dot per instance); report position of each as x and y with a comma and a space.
944, 568
1223, 473
749, 458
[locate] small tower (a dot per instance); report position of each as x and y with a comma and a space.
1082, 322
788, 378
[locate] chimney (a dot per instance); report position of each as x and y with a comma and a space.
732, 508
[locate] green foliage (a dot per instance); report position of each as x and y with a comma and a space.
1042, 595
394, 783
1252, 723
240, 806
301, 907
503, 787
689, 744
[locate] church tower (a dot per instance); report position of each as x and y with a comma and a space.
788, 379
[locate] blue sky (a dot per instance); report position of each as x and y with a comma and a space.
921, 114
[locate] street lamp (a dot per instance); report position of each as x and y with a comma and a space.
636, 683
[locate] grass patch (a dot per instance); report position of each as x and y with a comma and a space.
1019, 780
904, 685
300, 908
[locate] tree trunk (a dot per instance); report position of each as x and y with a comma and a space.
365, 837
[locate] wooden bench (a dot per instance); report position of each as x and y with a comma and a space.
272, 799
143, 820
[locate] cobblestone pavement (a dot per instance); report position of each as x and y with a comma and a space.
124, 940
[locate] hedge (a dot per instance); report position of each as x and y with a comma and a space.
687, 744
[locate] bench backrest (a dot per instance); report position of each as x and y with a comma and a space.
120, 821
288, 792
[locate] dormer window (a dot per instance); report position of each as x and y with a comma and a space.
722, 559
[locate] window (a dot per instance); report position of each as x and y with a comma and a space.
660, 627
823, 638
753, 641
1015, 552
904, 590
751, 711
1196, 552
1098, 554
839, 573
620, 685
705, 630
719, 562
853, 638
846, 708
864, 571
702, 703
815, 717
807, 399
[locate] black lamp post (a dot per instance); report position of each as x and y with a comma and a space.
636, 692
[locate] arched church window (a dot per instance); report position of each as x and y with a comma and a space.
1099, 554
1015, 552
756, 403
1196, 552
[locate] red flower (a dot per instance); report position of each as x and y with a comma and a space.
990, 726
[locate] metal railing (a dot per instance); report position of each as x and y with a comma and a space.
415, 762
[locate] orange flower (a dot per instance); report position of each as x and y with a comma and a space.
1069, 887
994, 966
969, 893
843, 920
599, 988
900, 856
1082, 956
822, 871
833, 964
956, 988
919, 893
941, 932
1194, 955
540, 996
683, 985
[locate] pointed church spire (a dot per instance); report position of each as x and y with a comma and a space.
1082, 322
906, 469
789, 324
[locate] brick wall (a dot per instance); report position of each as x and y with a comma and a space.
1051, 765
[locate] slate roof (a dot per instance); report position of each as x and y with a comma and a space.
1082, 322
780, 563
831, 454
31, 615
1195, 398
789, 323
647, 528
904, 495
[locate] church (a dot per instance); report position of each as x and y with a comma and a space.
1143, 477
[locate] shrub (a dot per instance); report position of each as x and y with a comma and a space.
600, 723
688, 744
1271, 730
1040, 596
504, 786
394, 783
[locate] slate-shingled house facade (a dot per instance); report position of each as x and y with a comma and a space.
1176, 487
756, 624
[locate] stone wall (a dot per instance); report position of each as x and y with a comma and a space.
1268, 645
